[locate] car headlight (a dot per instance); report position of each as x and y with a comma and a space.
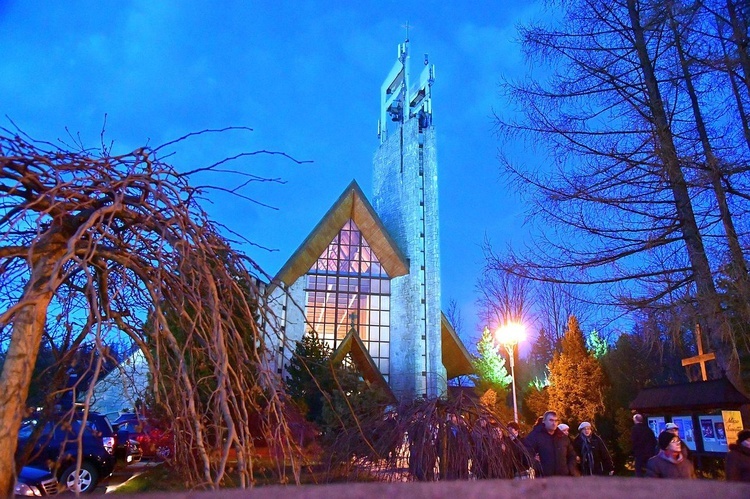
23, 489
109, 444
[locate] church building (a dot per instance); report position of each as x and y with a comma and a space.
367, 278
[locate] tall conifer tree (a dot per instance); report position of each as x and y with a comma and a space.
577, 380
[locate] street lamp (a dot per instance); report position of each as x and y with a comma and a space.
509, 335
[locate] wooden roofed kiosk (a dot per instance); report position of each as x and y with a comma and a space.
708, 414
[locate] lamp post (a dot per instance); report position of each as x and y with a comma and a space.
509, 335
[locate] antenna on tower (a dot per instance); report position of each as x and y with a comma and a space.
407, 30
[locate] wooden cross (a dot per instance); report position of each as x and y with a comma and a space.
701, 358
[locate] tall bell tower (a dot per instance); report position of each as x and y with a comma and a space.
406, 200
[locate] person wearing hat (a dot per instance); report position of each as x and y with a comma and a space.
670, 462
644, 444
675, 430
564, 428
738, 458
592, 453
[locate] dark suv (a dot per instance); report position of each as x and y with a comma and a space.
57, 448
35, 482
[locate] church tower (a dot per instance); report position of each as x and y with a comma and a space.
366, 280
406, 200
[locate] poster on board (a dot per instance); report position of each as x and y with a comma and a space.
732, 424
657, 424
714, 433
707, 429
685, 430
719, 431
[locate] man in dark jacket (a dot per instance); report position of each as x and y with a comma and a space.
643, 441
552, 448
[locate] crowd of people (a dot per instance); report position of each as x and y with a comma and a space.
487, 449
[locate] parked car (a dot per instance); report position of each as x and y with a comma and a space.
35, 482
155, 442
57, 449
133, 452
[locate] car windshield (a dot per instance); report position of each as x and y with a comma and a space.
28, 426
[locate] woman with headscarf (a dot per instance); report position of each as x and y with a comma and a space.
593, 454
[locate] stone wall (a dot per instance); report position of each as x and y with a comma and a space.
562, 488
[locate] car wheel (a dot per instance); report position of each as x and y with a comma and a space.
84, 482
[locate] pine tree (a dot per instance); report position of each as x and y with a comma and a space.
310, 375
577, 380
489, 366
597, 345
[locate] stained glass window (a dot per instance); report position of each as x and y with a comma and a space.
347, 283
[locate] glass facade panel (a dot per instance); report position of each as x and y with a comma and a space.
348, 284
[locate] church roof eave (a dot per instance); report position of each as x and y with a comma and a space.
456, 358
352, 204
353, 345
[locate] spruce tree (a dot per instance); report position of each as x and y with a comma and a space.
489, 366
309, 375
577, 380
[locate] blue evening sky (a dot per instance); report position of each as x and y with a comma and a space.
305, 75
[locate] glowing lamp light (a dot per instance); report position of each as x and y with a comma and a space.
509, 335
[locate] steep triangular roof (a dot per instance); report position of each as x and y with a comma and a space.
122, 387
352, 204
456, 358
352, 344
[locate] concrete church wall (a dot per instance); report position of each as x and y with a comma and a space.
290, 313
405, 199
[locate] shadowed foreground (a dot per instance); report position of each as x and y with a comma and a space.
574, 488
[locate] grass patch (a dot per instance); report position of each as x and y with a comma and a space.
156, 479
162, 478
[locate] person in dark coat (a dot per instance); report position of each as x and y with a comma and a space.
552, 448
738, 459
422, 449
644, 444
594, 456
482, 446
670, 462
521, 465
457, 448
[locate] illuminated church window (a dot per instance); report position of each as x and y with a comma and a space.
348, 284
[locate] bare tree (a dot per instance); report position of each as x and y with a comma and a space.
503, 295
636, 200
94, 246
453, 314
